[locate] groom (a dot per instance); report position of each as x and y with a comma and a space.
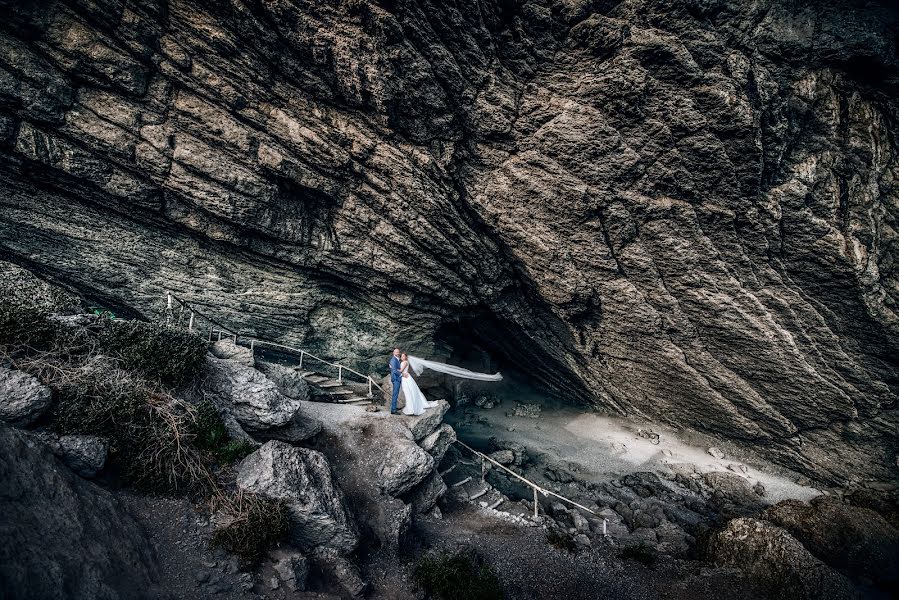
396, 378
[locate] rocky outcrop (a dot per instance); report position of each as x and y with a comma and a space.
84, 454
22, 397
288, 380
245, 394
680, 210
855, 540
771, 555
302, 479
63, 536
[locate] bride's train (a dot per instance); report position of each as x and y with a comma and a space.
416, 402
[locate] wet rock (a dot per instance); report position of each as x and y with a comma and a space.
22, 397
772, 556
301, 478
854, 540
437, 443
61, 532
289, 381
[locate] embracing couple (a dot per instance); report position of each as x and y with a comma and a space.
416, 403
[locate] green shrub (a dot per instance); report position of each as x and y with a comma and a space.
641, 553
168, 354
561, 540
459, 576
212, 437
254, 524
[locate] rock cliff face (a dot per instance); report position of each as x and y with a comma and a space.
680, 209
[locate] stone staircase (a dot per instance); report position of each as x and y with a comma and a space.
463, 478
323, 388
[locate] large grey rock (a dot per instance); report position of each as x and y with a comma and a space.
438, 442
228, 350
772, 556
403, 462
255, 403
428, 422
22, 397
716, 178
84, 454
64, 536
289, 381
319, 518
425, 495
852, 539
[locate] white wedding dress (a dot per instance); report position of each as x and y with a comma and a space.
416, 403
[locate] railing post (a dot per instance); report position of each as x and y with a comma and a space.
340, 373
220, 335
168, 300
235, 339
536, 504
301, 359
370, 395
252, 345
190, 324
210, 333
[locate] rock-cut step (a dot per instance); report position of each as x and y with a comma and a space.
327, 389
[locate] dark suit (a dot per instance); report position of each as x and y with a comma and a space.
396, 378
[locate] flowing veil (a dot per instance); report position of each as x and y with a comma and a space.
419, 364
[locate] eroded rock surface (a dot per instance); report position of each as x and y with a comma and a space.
63, 535
22, 397
302, 478
685, 210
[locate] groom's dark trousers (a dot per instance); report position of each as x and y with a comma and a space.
396, 378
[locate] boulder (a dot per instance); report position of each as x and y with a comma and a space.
732, 488
503, 457
64, 536
855, 540
22, 397
249, 396
292, 569
776, 559
319, 518
426, 494
84, 454
438, 442
428, 422
288, 380
228, 350
404, 463
301, 427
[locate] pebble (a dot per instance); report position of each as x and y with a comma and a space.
717, 453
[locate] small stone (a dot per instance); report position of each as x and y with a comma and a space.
201, 576
758, 488
715, 452
583, 540
667, 452
246, 582
273, 583
372, 408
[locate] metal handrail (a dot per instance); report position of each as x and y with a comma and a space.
536, 487
254, 341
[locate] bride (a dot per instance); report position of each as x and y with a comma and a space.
416, 403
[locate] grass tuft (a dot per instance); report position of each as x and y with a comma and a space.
253, 525
460, 576
212, 437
